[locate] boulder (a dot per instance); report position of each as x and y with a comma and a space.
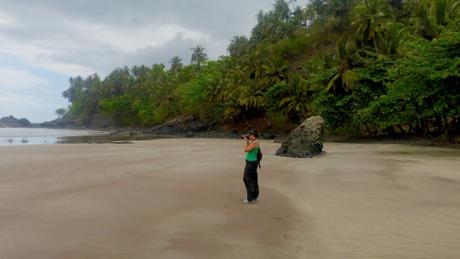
304, 141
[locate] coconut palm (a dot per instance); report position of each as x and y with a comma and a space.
295, 104
61, 112
251, 96
391, 39
369, 18
432, 16
344, 76
176, 65
281, 10
238, 47
443, 10
199, 56
293, 3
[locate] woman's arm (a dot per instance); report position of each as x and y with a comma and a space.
250, 146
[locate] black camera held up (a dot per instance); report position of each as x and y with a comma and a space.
245, 136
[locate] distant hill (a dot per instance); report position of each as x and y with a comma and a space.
13, 122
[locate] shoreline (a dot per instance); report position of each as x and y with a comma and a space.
132, 135
114, 135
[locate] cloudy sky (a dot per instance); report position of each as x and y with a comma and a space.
44, 42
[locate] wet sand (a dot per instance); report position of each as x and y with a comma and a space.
180, 198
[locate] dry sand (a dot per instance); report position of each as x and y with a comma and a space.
180, 198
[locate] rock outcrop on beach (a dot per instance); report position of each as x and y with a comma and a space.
304, 141
12, 122
187, 125
60, 123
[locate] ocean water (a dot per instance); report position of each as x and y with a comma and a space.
28, 136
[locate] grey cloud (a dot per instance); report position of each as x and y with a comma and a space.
103, 59
49, 21
222, 18
149, 55
177, 47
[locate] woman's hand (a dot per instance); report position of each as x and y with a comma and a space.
250, 145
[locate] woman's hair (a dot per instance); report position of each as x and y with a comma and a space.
253, 132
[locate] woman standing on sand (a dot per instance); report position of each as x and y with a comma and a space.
252, 148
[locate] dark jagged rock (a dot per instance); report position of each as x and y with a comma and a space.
179, 126
268, 135
12, 122
304, 141
64, 122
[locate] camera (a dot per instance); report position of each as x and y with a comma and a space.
244, 136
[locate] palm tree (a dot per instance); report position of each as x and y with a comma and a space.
293, 3
281, 10
453, 9
251, 97
369, 17
295, 104
61, 112
199, 56
391, 39
176, 65
443, 10
344, 76
238, 47
273, 72
435, 14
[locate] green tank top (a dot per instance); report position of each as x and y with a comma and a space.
252, 155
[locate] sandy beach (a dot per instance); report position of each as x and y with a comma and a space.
180, 198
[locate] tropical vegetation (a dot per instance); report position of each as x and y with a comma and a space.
369, 67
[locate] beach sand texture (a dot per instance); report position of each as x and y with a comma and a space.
180, 198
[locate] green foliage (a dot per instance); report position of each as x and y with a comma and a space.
238, 47
61, 112
424, 88
121, 108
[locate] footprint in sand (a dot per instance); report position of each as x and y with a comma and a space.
277, 218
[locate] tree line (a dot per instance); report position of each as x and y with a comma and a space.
369, 67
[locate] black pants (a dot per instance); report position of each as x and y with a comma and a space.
250, 180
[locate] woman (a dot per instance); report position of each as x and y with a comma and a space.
252, 147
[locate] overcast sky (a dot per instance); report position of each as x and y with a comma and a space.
44, 42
